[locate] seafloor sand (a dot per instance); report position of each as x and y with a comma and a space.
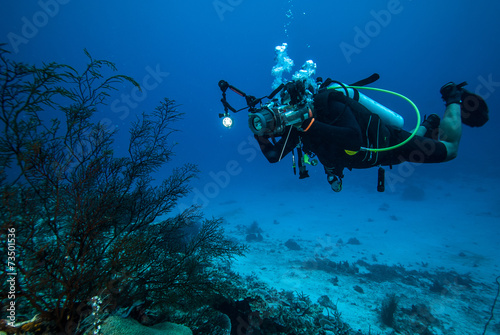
443, 230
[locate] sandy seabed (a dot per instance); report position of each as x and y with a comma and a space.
436, 247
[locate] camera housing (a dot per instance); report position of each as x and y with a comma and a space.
272, 119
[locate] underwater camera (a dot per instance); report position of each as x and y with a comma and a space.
271, 119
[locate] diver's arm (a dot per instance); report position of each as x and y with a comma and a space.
274, 152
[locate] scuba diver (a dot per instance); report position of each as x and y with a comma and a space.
344, 129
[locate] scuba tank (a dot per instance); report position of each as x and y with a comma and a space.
388, 116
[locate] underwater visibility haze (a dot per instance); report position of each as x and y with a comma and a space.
141, 208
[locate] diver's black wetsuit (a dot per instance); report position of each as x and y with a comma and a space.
336, 129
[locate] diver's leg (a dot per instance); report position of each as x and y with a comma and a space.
451, 129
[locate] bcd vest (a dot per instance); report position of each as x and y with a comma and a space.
374, 132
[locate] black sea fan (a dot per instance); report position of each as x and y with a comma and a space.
88, 223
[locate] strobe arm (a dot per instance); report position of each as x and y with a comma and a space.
224, 85
250, 100
226, 107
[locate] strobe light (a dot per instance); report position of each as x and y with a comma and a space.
227, 121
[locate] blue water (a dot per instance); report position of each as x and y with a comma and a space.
181, 49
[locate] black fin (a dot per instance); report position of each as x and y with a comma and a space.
474, 110
367, 81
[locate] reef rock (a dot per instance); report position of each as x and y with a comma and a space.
115, 325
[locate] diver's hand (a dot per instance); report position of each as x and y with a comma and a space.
263, 139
